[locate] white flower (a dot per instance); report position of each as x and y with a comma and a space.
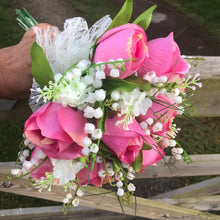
100, 95
172, 143
114, 73
39, 154
101, 173
143, 125
88, 79
120, 192
150, 121
63, 170
99, 159
131, 187
97, 134
26, 142
115, 106
94, 148
163, 79
119, 184
69, 196
86, 142
79, 193
97, 83
111, 66
65, 200
119, 175
130, 176
178, 157
27, 164
22, 158
16, 172
157, 127
100, 74
26, 153
125, 165
85, 151
178, 99
75, 202
89, 112
115, 95
89, 128
83, 64
147, 132
76, 72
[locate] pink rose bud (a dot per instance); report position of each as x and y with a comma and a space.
57, 130
164, 59
127, 42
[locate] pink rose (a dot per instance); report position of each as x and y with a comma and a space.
127, 42
57, 130
164, 58
152, 156
94, 177
126, 144
161, 112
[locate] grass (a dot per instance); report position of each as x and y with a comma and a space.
11, 33
202, 12
193, 137
94, 10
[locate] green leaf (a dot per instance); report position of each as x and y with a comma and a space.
142, 84
102, 120
116, 166
110, 85
144, 19
137, 164
123, 16
41, 69
146, 147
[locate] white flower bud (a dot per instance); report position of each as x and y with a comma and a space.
75, 202
100, 95
39, 155
97, 134
88, 112
16, 172
94, 148
101, 173
178, 157
115, 95
120, 192
26, 142
98, 113
99, 159
119, 184
83, 64
31, 146
22, 158
144, 125
111, 66
157, 127
76, 72
79, 193
115, 106
26, 153
150, 121
172, 143
65, 200
86, 142
27, 165
163, 79
89, 128
119, 175
131, 187
147, 132
97, 83
130, 176
69, 196
89, 79
178, 99
85, 151
100, 74
114, 73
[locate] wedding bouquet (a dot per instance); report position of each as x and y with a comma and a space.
104, 101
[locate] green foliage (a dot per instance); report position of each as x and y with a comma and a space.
41, 69
11, 33
144, 19
124, 15
203, 12
137, 164
142, 84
